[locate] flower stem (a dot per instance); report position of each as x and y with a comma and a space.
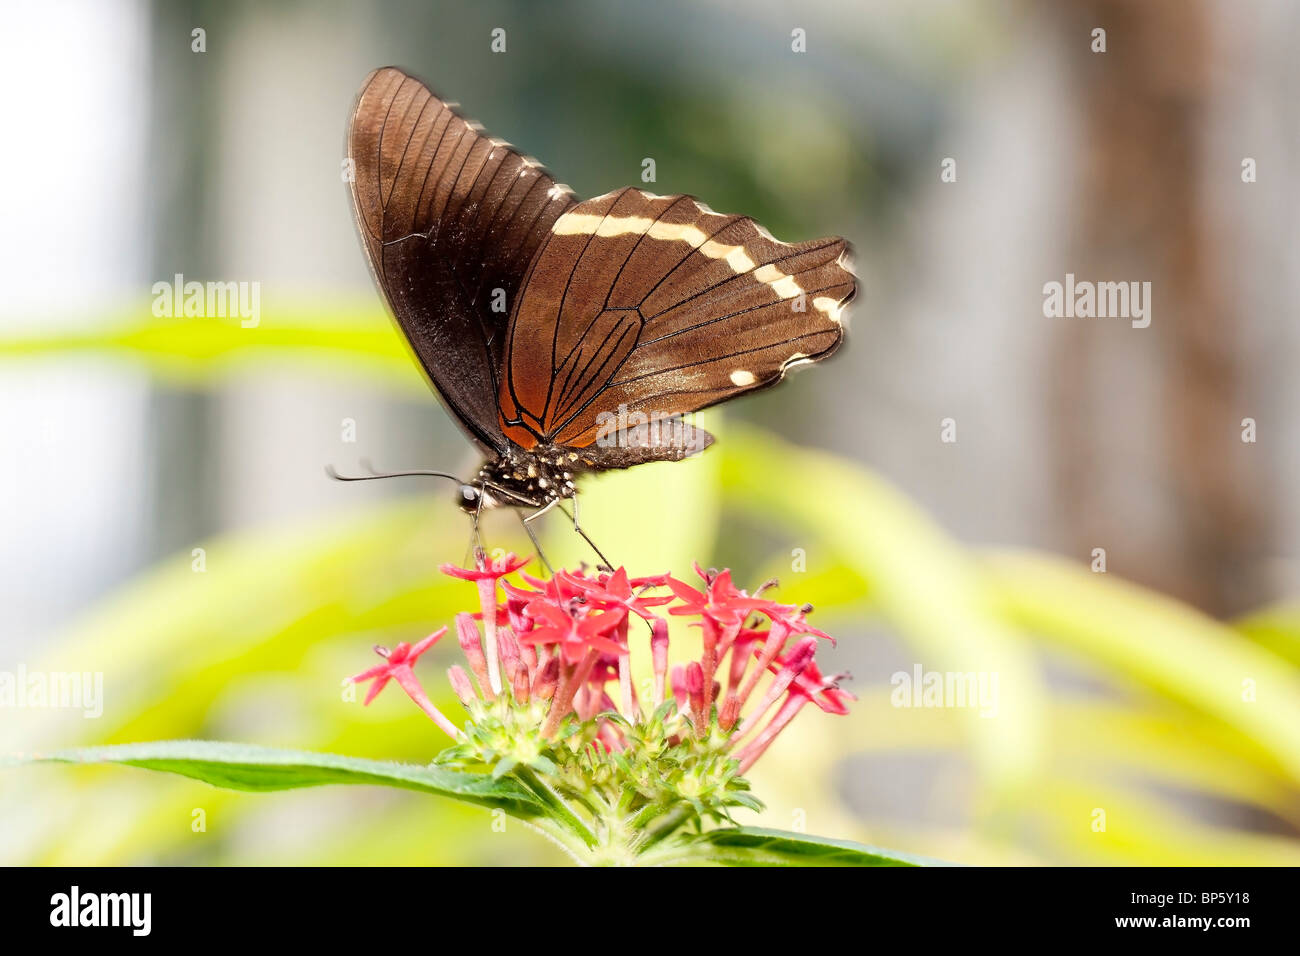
561, 838
561, 811
669, 826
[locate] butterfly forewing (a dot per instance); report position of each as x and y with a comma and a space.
451, 221
658, 306
537, 318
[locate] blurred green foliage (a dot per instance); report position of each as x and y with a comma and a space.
1169, 712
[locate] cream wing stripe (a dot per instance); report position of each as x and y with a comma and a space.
785, 286
833, 309
586, 224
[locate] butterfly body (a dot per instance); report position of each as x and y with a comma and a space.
526, 479
568, 337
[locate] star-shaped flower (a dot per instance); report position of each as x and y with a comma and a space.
721, 601
615, 591
397, 666
486, 569
574, 635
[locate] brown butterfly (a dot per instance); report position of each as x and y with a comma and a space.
569, 337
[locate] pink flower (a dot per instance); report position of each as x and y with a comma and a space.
561, 588
720, 601
574, 636
486, 574
485, 570
615, 590
825, 692
397, 666
562, 642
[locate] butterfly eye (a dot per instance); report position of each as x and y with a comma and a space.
467, 497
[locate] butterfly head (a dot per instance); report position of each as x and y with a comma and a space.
472, 499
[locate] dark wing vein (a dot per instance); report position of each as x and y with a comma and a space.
731, 315
585, 380
555, 334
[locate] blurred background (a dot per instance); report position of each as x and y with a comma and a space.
1148, 699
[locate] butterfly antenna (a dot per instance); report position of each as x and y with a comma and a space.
471, 548
475, 538
375, 475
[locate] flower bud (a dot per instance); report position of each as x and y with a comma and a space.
460, 683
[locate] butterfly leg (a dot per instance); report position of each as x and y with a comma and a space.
608, 566
532, 536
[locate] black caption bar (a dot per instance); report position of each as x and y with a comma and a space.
336, 905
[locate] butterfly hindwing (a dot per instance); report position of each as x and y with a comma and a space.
646, 307
451, 221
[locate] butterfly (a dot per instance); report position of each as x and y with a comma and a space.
569, 337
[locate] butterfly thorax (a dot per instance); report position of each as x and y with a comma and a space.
529, 479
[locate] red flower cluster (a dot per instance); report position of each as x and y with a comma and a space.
567, 639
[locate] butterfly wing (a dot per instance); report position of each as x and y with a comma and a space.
450, 220
641, 307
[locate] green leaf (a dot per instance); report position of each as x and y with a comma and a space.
758, 846
1167, 646
1276, 628
343, 333
250, 767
